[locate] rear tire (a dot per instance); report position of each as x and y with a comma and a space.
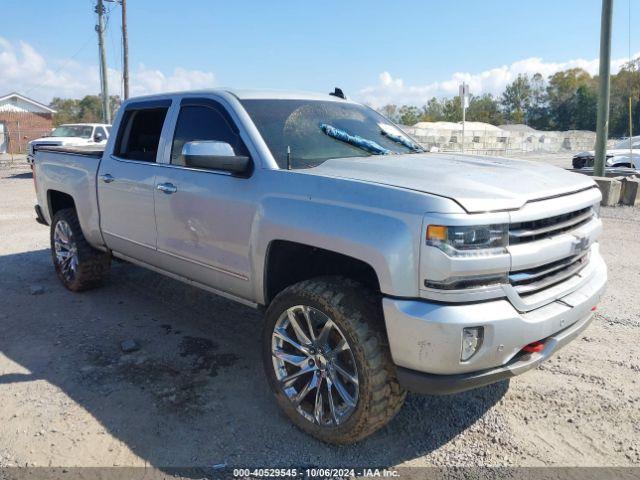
358, 389
79, 266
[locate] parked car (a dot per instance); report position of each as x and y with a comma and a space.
381, 268
625, 153
72, 134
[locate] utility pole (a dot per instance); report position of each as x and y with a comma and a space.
106, 112
125, 50
605, 83
463, 91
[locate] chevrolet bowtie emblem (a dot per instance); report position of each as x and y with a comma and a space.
580, 244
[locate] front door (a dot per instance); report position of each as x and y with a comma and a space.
126, 182
203, 216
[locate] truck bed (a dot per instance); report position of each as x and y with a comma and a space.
70, 171
85, 150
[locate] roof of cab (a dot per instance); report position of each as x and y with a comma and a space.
249, 94
282, 95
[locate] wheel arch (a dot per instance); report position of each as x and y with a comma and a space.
58, 200
288, 262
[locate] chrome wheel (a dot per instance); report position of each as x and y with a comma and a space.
65, 249
314, 366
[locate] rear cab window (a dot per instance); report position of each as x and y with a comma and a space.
140, 130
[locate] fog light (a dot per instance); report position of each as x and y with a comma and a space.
471, 342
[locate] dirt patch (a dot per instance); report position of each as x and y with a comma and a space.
202, 351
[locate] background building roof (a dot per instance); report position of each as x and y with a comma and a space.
14, 102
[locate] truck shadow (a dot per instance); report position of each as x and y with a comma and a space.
21, 175
194, 393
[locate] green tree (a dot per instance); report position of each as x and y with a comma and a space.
485, 108
516, 99
452, 109
537, 116
408, 115
562, 99
390, 111
67, 110
625, 85
432, 111
566, 100
90, 109
85, 110
586, 107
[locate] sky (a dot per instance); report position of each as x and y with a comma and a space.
378, 52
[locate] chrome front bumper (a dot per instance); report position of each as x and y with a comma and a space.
426, 337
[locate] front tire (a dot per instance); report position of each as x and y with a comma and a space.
79, 266
326, 360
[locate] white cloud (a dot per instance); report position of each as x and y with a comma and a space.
145, 81
26, 71
394, 90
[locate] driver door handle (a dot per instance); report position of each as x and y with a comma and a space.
167, 188
107, 178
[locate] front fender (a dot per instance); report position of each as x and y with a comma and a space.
387, 241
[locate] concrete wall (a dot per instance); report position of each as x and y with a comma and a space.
503, 140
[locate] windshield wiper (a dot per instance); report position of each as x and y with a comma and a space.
355, 140
403, 141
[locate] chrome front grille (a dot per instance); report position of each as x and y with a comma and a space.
533, 230
532, 280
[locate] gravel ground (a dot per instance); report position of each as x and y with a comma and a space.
194, 393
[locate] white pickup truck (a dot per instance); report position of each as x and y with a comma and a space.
381, 268
72, 135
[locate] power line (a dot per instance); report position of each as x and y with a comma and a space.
64, 65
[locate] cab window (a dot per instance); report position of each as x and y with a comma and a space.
204, 122
139, 134
101, 131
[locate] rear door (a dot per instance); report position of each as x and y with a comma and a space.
126, 181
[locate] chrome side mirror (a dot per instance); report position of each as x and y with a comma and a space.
214, 155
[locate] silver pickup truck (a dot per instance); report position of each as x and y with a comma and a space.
381, 268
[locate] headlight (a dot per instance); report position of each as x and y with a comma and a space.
469, 240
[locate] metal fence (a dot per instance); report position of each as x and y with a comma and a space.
17, 142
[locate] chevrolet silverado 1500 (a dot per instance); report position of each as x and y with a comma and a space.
381, 268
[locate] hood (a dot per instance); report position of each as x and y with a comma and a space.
477, 183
